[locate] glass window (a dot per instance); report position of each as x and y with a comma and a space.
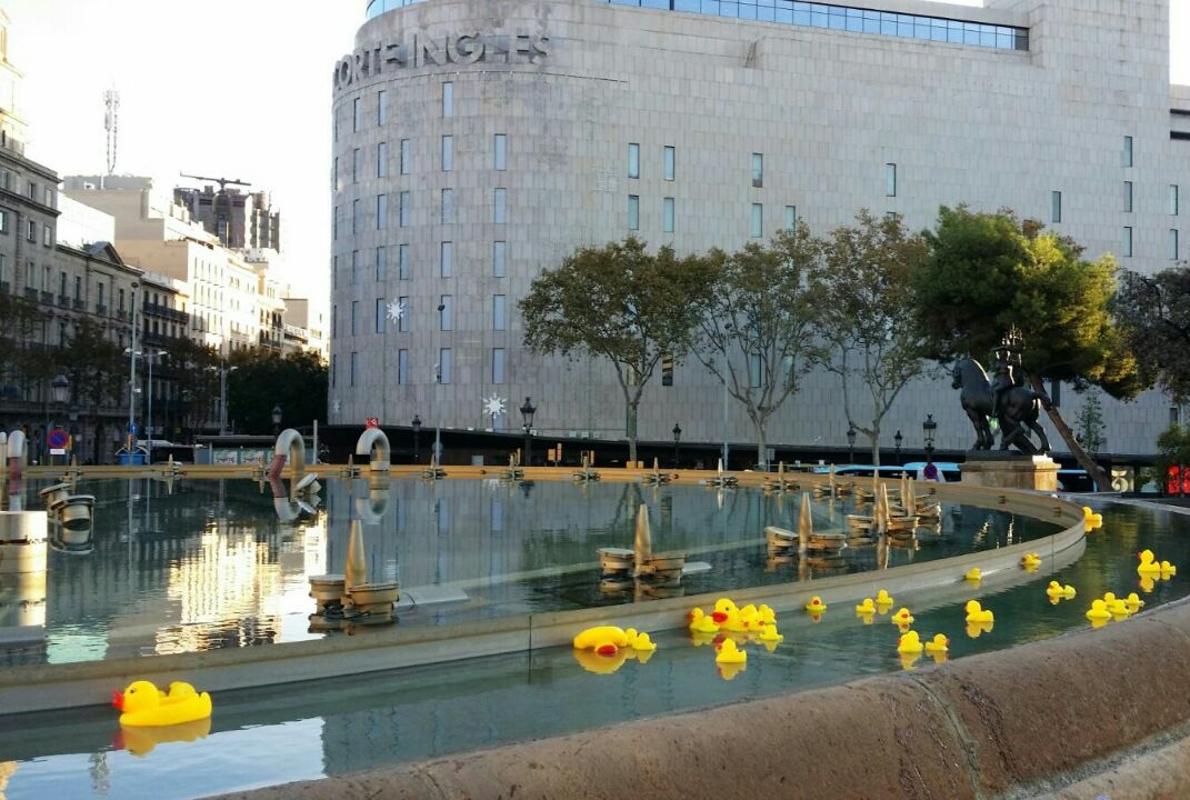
382, 160
403, 262
382, 107
633, 212
355, 317
497, 365
381, 211
354, 359
500, 152
406, 208
403, 321
381, 265
667, 215
357, 163
402, 367
446, 258
633, 160
668, 157
448, 153
1127, 243
356, 115
380, 309
1128, 197
406, 154
334, 318
335, 224
448, 206
1126, 156
1173, 244
445, 365
499, 323
499, 203
790, 217
757, 170
1173, 199
355, 216
448, 99
335, 174
446, 313
755, 370
47, 235
1055, 206
354, 267
890, 180
757, 220
499, 254
334, 369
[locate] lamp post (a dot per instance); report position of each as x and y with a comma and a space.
928, 428
149, 416
677, 442
897, 441
276, 419
224, 371
851, 442
416, 434
60, 388
132, 354
527, 412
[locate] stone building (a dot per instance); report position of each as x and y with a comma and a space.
241, 220
474, 148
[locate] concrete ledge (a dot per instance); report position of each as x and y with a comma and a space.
976, 727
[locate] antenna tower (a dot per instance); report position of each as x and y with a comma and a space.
111, 123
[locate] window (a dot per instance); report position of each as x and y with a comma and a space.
1127, 243
1128, 197
31, 230
633, 212
448, 153
354, 267
1055, 206
49, 197
757, 170
3, 222
499, 323
667, 215
1126, 155
357, 163
62, 285
445, 365
381, 211
500, 152
403, 321
499, 254
354, 358
335, 174
1175, 415
382, 107
633, 160
668, 156
757, 220
448, 99
334, 369
382, 160
355, 317
380, 309
667, 370
355, 216
406, 208
121, 302
890, 180
1173, 244
403, 262
335, 224
381, 263
334, 271
47, 235
406, 156
497, 365
790, 218
755, 370
446, 259
402, 367
78, 287
448, 206
1173, 199
499, 206
356, 115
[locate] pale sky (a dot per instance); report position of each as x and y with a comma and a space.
232, 88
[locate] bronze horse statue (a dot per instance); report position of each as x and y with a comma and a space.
1019, 407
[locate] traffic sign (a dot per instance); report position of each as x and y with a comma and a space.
372, 422
58, 439
132, 428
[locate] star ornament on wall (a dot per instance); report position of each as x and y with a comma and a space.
396, 310
494, 405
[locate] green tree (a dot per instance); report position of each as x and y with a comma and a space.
1155, 313
987, 272
760, 321
621, 303
194, 369
1090, 423
264, 378
869, 320
93, 365
20, 322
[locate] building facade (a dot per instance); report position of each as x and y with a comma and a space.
241, 220
474, 149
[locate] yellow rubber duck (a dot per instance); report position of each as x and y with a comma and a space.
974, 575
1091, 520
592, 661
866, 607
1134, 602
1168, 570
750, 618
1098, 611
939, 644
732, 622
1147, 565
701, 623
605, 640
816, 605
770, 634
1146, 583
723, 607
867, 619
902, 617
143, 706
1030, 561
883, 598
699, 638
767, 615
1118, 608
730, 654
639, 641
909, 642
975, 613
728, 670
976, 629
1056, 591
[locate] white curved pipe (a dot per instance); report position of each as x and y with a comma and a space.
16, 454
374, 439
291, 447
371, 509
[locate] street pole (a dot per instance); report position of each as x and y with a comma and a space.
222, 399
725, 453
149, 414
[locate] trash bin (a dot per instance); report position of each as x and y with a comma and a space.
137, 458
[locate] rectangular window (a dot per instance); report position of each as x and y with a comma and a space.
355, 317
380, 309
357, 164
757, 220
633, 160
403, 322
1128, 197
47, 235
382, 107
335, 175
403, 262
381, 263
354, 360
633, 212
497, 365
757, 170
890, 180
3, 222
1175, 415
448, 153
448, 206
406, 209
406, 155
446, 259
354, 267
335, 224
667, 215
445, 365
402, 367
500, 152
334, 271
334, 369
755, 370
1173, 244
334, 319
382, 160
49, 197
499, 323
1173, 199
381, 211
499, 254
356, 114
499, 206
790, 218
1126, 155
1127, 243
355, 216
78, 288
1055, 206
668, 157
448, 99
31, 230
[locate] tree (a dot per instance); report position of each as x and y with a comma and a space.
194, 369
93, 364
869, 320
619, 302
987, 272
264, 378
759, 323
1173, 450
1155, 313
1090, 423
19, 322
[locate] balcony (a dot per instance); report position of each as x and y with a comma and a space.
47, 298
121, 314
166, 312
63, 301
4, 287
101, 310
30, 293
80, 304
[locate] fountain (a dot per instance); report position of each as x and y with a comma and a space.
780, 483
514, 471
14, 460
587, 472
345, 601
641, 570
291, 448
656, 477
373, 443
722, 479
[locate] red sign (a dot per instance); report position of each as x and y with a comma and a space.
372, 422
1171, 484
58, 439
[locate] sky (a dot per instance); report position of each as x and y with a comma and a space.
231, 88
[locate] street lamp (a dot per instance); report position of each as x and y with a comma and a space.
276, 419
527, 412
149, 418
60, 390
224, 371
928, 428
851, 442
132, 354
677, 441
416, 434
897, 440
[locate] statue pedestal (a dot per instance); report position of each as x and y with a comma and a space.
1010, 471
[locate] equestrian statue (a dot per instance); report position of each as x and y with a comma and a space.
1006, 399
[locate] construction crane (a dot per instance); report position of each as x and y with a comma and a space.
223, 182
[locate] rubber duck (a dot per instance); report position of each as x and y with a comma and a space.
770, 634
1030, 561
723, 607
976, 629
816, 605
750, 618
1133, 602
939, 644
640, 641
701, 623
866, 607
975, 613
974, 575
1146, 583
141, 741
730, 654
1117, 608
1168, 570
909, 642
1098, 611
883, 598
867, 619
902, 617
767, 615
605, 640
593, 661
732, 622
1056, 591
728, 670
1147, 565
700, 638
1091, 520
143, 706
